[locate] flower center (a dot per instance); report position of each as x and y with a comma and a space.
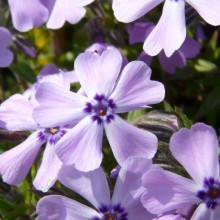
101, 109
51, 135
112, 212
210, 194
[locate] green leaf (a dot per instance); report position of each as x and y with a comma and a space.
205, 66
134, 115
183, 119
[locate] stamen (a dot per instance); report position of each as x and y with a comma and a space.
102, 112
54, 130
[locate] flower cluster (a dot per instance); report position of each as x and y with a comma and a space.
74, 122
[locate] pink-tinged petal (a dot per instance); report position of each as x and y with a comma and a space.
128, 11
56, 207
58, 106
128, 187
171, 217
64, 10
98, 73
48, 171
6, 57
27, 14
5, 37
170, 63
208, 10
170, 32
197, 150
127, 140
135, 89
16, 114
15, 163
82, 145
91, 185
203, 213
167, 191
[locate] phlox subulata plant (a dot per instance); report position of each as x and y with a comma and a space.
92, 127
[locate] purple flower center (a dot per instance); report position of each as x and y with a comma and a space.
101, 109
115, 212
51, 134
210, 194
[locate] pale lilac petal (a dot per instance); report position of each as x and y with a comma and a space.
167, 191
16, 162
145, 58
127, 140
98, 73
58, 106
128, 11
82, 145
128, 187
48, 171
203, 213
197, 150
5, 37
170, 32
27, 14
6, 57
56, 207
92, 186
208, 10
64, 10
83, 2
48, 70
170, 63
135, 89
171, 217
16, 114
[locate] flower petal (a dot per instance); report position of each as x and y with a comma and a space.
98, 73
127, 140
208, 10
86, 184
64, 10
82, 145
48, 171
197, 150
16, 162
128, 11
56, 207
53, 101
135, 89
5, 37
16, 114
27, 14
6, 57
170, 32
203, 213
167, 191
128, 187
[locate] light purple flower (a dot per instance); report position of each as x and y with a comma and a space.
123, 205
170, 31
197, 150
16, 115
27, 14
189, 49
6, 56
65, 10
107, 92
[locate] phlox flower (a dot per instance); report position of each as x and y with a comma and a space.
189, 49
6, 56
107, 92
124, 204
197, 150
170, 31
16, 115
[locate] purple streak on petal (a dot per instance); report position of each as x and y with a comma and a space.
16, 162
127, 140
87, 184
27, 14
